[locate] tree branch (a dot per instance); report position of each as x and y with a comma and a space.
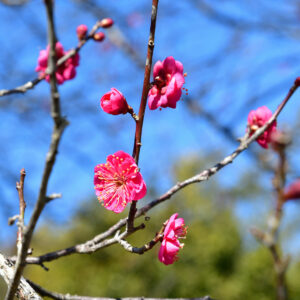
139, 122
57, 296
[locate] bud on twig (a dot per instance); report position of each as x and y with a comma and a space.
81, 31
106, 23
297, 81
99, 36
292, 192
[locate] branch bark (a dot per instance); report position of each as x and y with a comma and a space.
25, 291
57, 296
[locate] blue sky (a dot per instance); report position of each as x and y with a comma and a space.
226, 69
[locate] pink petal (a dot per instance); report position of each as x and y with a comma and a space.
169, 65
157, 68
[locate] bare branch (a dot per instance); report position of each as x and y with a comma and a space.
53, 197
139, 122
22, 205
57, 296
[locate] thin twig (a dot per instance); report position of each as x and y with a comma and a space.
22, 206
53, 197
139, 122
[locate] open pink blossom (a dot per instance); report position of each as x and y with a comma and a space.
256, 119
114, 102
118, 182
65, 71
168, 81
175, 229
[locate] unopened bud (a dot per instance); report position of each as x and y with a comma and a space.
106, 23
297, 81
280, 140
99, 36
292, 192
81, 31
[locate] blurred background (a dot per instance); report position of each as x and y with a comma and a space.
238, 55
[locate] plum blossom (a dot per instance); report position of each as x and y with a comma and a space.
65, 71
168, 81
170, 245
256, 119
114, 103
118, 182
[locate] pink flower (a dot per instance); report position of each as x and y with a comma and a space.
292, 192
65, 71
118, 182
81, 31
170, 245
168, 81
114, 102
256, 119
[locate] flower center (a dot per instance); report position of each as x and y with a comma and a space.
159, 82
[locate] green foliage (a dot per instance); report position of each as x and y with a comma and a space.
212, 262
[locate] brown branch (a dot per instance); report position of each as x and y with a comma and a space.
101, 240
270, 238
139, 122
43, 292
279, 265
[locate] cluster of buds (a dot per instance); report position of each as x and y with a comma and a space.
97, 36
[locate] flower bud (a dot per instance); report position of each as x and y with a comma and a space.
81, 31
292, 192
106, 23
297, 81
114, 102
280, 140
99, 36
